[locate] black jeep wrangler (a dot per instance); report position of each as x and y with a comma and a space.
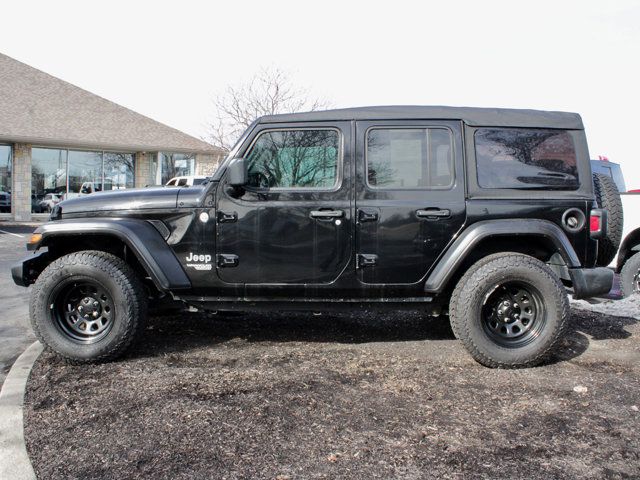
487, 215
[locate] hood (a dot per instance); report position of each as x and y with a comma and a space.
130, 199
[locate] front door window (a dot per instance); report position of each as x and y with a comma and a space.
294, 159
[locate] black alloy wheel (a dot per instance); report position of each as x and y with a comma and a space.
83, 311
513, 314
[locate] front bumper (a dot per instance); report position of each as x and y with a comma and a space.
591, 282
26, 272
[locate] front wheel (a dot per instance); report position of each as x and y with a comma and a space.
88, 306
630, 276
509, 310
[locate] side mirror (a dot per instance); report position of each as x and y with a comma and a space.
237, 175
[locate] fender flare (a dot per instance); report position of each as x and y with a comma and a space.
630, 243
475, 233
139, 236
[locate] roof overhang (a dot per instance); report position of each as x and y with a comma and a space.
75, 144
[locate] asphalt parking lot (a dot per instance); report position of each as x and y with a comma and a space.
15, 331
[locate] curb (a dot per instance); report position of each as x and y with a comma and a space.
14, 461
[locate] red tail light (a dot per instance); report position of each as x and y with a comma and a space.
598, 223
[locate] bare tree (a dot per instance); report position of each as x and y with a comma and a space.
268, 92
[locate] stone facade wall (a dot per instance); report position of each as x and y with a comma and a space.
207, 164
142, 166
21, 179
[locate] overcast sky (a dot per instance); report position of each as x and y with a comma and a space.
167, 60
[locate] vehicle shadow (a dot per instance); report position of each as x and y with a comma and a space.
184, 331
587, 326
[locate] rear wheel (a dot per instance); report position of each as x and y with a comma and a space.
509, 310
630, 276
88, 306
608, 198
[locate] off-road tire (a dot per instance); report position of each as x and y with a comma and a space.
629, 275
113, 275
475, 287
608, 198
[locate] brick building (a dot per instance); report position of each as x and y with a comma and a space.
56, 139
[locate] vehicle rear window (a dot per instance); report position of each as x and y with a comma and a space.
305, 158
406, 158
526, 158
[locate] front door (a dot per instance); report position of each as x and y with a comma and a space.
291, 225
410, 198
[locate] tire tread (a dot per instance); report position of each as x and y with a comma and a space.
123, 275
460, 309
608, 197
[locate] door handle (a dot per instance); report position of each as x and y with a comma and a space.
227, 260
367, 216
433, 213
326, 213
227, 217
366, 260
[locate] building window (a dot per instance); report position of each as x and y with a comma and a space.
118, 171
174, 165
85, 173
48, 176
60, 174
5, 178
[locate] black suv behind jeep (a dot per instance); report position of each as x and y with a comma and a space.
488, 215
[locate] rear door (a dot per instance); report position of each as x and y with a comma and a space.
410, 199
292, 224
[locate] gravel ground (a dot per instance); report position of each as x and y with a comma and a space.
340, 396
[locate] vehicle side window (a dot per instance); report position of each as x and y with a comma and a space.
171, 183
526, 158
409, 158
182, 182
303, 158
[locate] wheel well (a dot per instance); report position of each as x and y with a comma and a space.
536, 246
626, 252
61, 245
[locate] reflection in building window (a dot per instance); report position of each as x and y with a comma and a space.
48, 175
118, 171
58, 174
5, 178
85, 173
174, 165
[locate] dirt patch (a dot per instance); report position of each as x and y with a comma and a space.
359, 396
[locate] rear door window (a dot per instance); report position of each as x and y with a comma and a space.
409, 158
526, 158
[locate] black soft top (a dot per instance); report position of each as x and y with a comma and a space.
485, 117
